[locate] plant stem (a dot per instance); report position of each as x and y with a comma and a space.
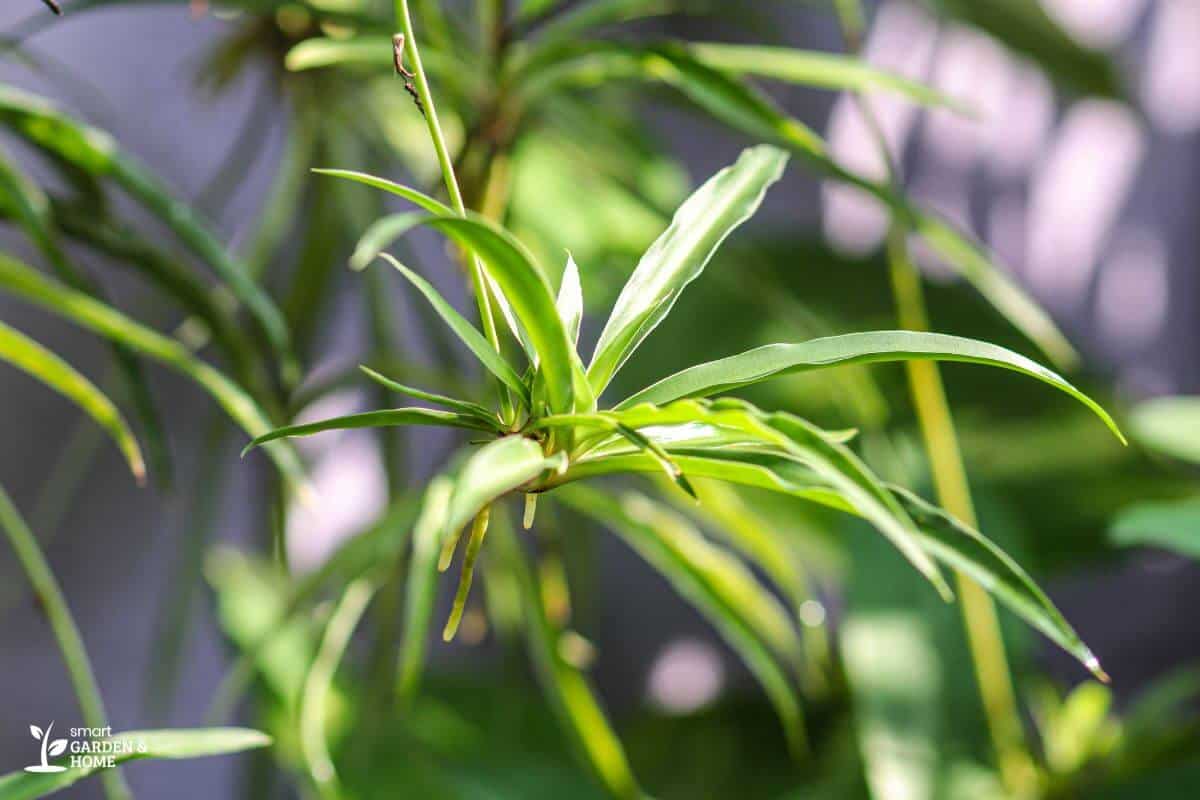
954, 493
413, 56
70, 643
949, 475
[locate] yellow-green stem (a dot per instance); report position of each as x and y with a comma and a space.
412, 56
954, 493
70, 642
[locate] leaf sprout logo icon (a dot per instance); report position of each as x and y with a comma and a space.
49, 749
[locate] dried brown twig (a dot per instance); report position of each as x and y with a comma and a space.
398, 62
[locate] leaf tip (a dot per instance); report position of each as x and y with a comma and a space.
1093, 666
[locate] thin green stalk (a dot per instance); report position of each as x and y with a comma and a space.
954, 493
413, 56
313, 704
936, 422
70, 643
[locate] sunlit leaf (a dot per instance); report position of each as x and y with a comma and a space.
385, 418
466, 332
570, 300
813, 68
22, 281
132, 745
495, 469
720, 586
97, 153
566, 687
680, 254
422, 586
461, 406
763, 363
26, 354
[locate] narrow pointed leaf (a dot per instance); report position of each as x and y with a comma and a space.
422, 586
386, 418
97, 153
465, 331
461, 406
133, 745
720, 586
763, 363
570, 301
494, 470
29, 356
963, 548
509, 264
21, 280
822, 70
739, 105
833, 463
567, 689
412, 195
680, 254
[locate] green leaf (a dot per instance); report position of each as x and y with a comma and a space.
512, 268
823, 70
963, 548
680, 254
25, 282
1171, 526
29, 356
1025, 27
412, 195
832, 462
494, 470
466, 332
134, 745
385, 418
566, 687
1170, 425
720, 586
570, 301
739, 105
763, 363
461, 406
97, 153
422, 586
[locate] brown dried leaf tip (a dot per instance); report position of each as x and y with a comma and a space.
398, 63
53, 6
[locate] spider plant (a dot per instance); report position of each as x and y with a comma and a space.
549, 430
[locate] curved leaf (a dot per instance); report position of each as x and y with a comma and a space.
466, 332
385, 418
461, 406
832, 462
570, 301
567, 688
764, 363
422, 586
494, 470
720, 586
29, 356
523, 285
25, 282
680, 254
741, 106
97, 153
412, 195
812, 68
132, 745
